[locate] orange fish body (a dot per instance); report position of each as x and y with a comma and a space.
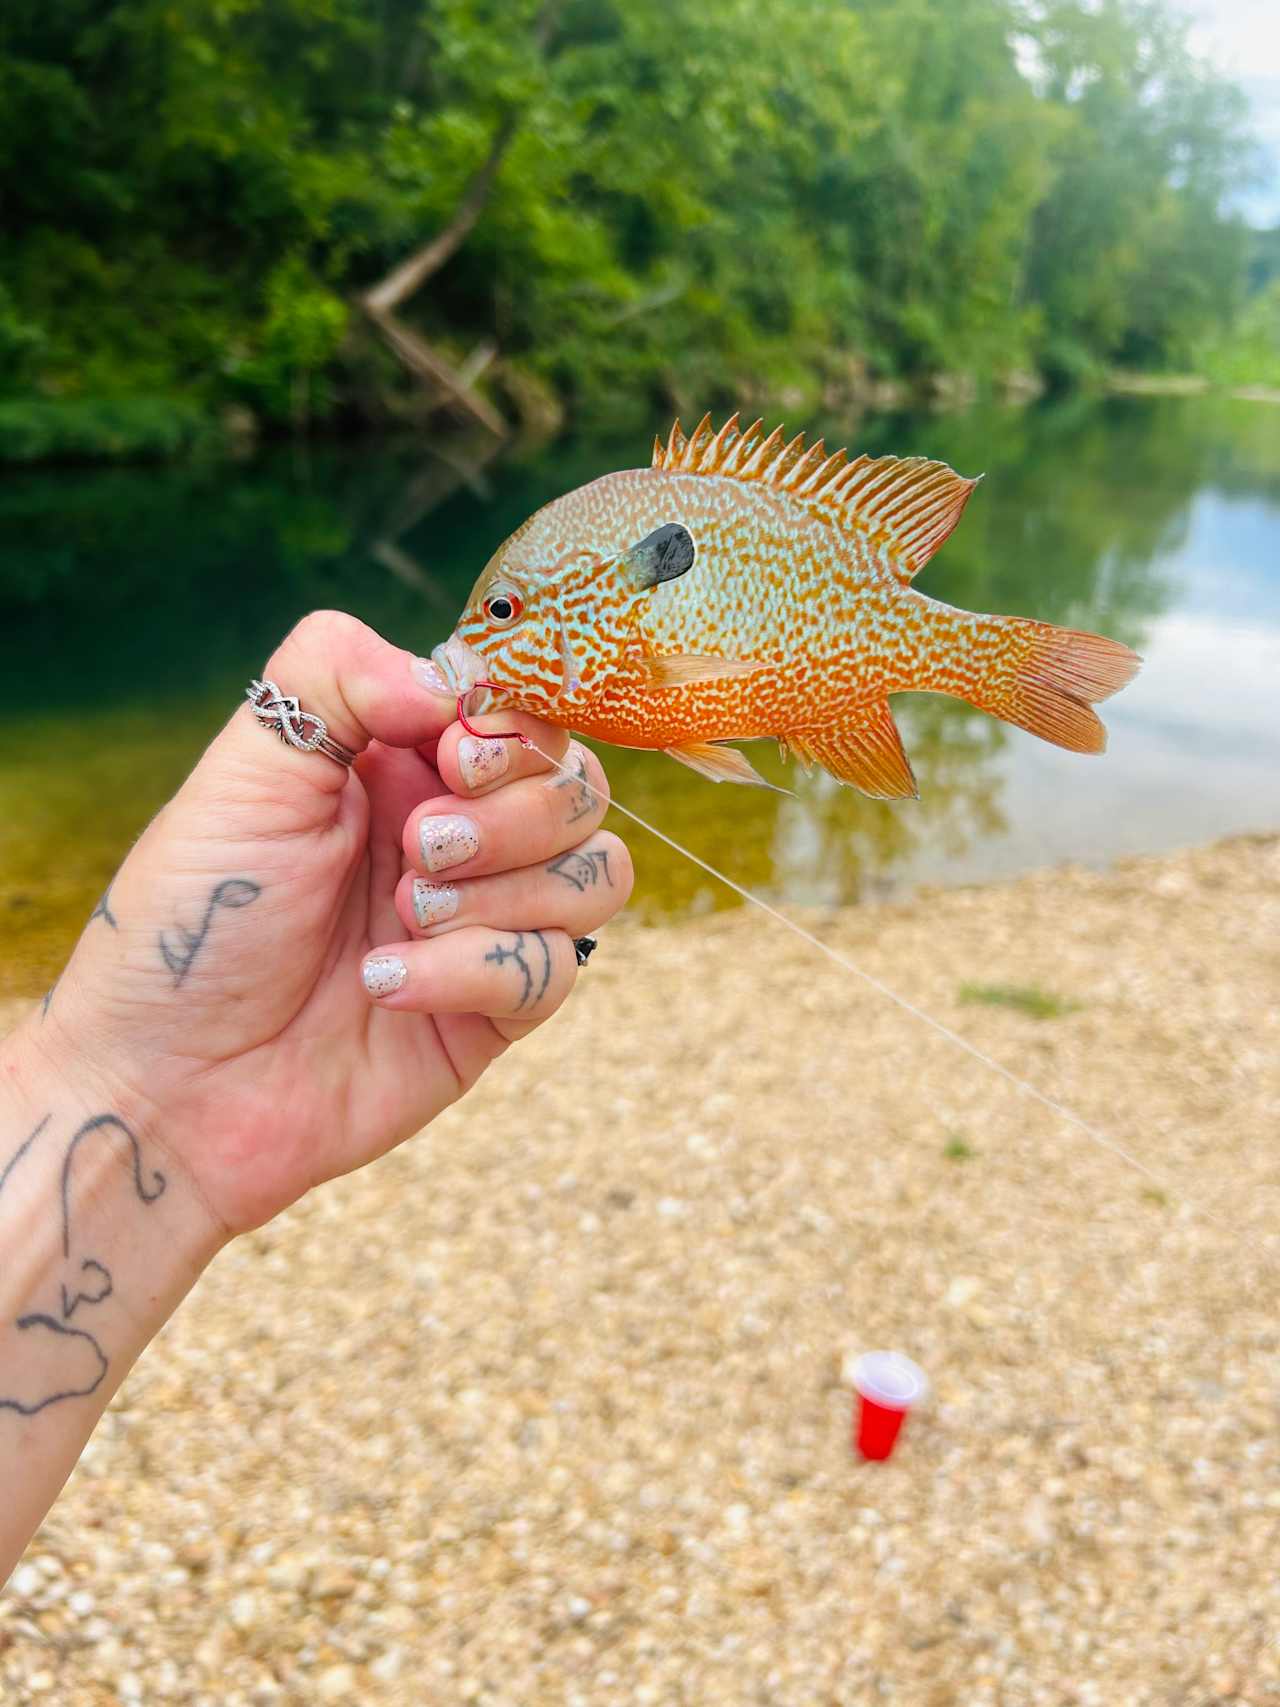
743, 587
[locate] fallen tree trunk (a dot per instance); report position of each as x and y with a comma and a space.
403, 280
456, 388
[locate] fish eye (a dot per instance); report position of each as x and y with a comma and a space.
504, 607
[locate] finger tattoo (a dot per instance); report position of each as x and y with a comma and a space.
582, 870
537, 974
574, 778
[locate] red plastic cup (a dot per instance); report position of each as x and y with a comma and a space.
887, 1385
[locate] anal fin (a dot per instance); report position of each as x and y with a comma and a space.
678, 669
720, 764
865, 753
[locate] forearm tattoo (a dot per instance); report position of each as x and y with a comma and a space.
582, 869
535, 973
180, 946
574, 777
85, 1281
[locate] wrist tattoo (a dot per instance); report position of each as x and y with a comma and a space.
583, 870
538, 974
180, 946
21, 1151
85, 1282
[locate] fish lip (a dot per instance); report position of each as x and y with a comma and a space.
458, 664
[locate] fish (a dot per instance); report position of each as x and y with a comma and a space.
747, 586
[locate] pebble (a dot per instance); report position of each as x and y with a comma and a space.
336, 1684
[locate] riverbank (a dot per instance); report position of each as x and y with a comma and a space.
596, 1449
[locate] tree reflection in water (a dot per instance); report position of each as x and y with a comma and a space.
136, 601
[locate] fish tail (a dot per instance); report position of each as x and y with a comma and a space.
1040, 677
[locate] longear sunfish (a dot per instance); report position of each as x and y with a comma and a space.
744, 587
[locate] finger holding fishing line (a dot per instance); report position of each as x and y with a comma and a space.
525, 823
516, 978
577, 891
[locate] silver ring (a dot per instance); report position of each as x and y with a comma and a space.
295, 727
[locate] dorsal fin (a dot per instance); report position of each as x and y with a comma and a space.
910, 502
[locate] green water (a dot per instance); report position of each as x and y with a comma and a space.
135, 603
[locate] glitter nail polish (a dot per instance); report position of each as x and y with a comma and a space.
433, 902
447, 840
482, 761
383, 974
430, 676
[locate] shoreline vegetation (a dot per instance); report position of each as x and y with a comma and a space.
226, 225
82, 432
93, 431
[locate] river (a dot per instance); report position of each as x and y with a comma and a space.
135, 603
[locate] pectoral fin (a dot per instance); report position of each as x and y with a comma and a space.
867, 754
678, 669
721, 764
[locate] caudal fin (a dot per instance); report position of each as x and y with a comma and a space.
1045, 679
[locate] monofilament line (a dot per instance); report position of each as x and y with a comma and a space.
1093, 1133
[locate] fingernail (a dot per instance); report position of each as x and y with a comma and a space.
433, 902
447, 841
481, 761
430, 676
383, 974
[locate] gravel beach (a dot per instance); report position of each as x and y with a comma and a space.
551, 1405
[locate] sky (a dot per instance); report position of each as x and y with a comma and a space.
1243, 38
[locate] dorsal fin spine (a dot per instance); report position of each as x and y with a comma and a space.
763, 453
823, 477
720, 447
781, 465
813, 459
907, 504
745, 445
697, 443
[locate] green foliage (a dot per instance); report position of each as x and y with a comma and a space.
1022, 998
956, 1150
1248, 354
759, 200
135, 429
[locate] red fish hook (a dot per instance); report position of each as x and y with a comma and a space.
483, 734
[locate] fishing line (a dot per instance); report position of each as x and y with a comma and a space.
1093, 1133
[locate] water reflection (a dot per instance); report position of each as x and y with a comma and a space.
133, 603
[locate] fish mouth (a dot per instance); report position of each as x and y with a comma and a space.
458, 664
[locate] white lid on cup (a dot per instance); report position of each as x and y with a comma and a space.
889, 1379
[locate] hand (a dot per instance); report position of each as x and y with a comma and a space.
217, 992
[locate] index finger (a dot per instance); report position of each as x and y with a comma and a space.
471, 765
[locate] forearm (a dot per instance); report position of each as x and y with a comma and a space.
101, 1236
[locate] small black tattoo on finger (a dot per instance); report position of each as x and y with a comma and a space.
574, 777
583, 870
530, 975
